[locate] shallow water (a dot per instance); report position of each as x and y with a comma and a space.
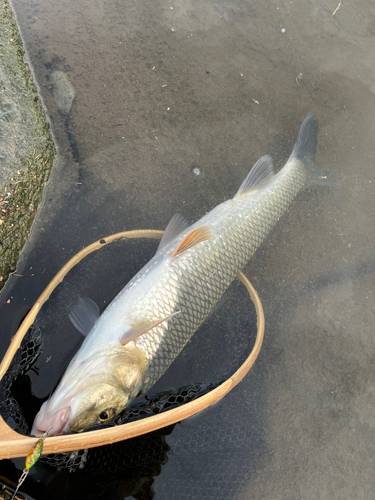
163, 91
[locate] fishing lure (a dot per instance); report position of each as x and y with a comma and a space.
31, 459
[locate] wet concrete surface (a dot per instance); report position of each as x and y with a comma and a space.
163, 91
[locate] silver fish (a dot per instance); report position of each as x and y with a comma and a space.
149, 322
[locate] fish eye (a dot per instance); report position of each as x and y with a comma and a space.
105, 415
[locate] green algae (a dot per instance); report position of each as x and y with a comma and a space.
27, 150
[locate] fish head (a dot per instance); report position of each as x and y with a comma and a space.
53, 422
93, 392
96, 405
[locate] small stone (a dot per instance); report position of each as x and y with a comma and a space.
63, 91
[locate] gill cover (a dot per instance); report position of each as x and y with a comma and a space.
94, 391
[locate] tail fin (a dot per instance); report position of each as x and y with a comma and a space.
304, 151
305, 146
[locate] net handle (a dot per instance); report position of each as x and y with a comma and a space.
13, 444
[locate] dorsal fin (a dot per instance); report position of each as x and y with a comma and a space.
176, 225
261, 173
202, 233
138, 330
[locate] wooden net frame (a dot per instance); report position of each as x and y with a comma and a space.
13, 444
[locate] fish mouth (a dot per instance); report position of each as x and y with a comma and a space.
53, 425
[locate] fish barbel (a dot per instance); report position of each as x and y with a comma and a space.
132, 343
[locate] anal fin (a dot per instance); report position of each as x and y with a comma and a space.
260, 175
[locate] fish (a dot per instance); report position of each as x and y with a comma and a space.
132, 343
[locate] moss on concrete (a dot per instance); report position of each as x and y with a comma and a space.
27, 150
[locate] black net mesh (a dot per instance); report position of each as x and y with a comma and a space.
42, 359
109, 457
134, 452
23, 360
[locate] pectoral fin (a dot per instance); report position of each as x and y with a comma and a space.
84, 315
202, 233
138, 330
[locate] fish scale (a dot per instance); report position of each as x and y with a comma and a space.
150, 321
235, 240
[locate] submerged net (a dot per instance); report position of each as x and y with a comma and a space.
213, 354
23, 360
133, 452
